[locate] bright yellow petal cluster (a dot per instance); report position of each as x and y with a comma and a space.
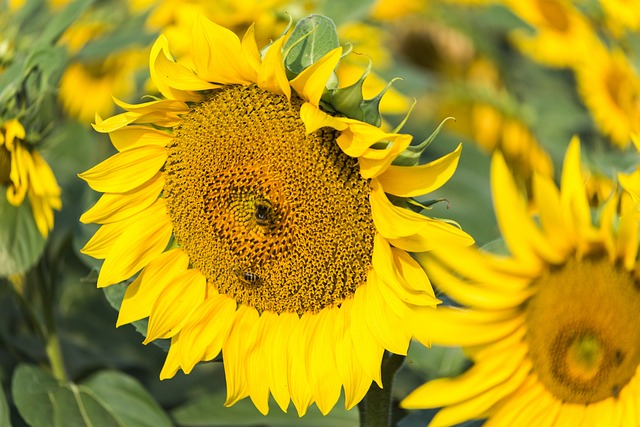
303, 358
28, 175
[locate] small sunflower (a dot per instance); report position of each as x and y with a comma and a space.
25, 173
553, 329
262, 224
563, 35
610, 89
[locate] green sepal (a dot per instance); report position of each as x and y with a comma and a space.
411, 156
312, 38
350, 101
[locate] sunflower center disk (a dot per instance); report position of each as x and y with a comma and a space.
274, 218
584, 330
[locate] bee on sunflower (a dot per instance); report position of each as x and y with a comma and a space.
262, 208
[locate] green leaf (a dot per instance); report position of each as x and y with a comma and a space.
73, 406
209, 410
4, 410
311, 39
108, 399
21, 244
115, 294
33, 391
127, 400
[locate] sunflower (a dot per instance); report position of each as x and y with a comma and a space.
262, 224
553, 328
621, 15
25, 173
610, 89
563, 35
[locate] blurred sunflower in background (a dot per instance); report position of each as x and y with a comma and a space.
552, 329
25, 174
264, 208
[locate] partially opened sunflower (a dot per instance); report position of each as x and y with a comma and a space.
262, 225
25, 174
552, 329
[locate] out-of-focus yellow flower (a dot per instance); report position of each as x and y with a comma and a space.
88, 88
388, 10
610, 88
26, 174
563, 35
552, 328
621, 15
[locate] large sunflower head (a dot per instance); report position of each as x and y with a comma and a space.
553, 328
259, 217
25, 173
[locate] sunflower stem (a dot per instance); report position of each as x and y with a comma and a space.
54, 353
375, 409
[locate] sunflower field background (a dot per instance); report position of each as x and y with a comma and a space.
519, 78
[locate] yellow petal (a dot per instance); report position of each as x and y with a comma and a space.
102, 241
321, 364
389, 319
412, 181
366, 348
311, 82
479, 405
140, 243
475, 407
165, 112
456, 327
474, 294
314, 119
127, 170
250, 48
206, 332
474, 382
141, 295
113, 207
235, 353
175, 304
573, 196
375, 162
257, 366
299, 388
171, 363
218, 55
627, 243
360, 136
353, 376
271, 75
388, 264
521, 234
278, 345
409, 230
174, 81
138, 136
558, 232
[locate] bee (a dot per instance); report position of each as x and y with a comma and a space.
248, 277
263, 214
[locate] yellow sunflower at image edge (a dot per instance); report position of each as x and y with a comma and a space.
25, 173
261, 225
555, 323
